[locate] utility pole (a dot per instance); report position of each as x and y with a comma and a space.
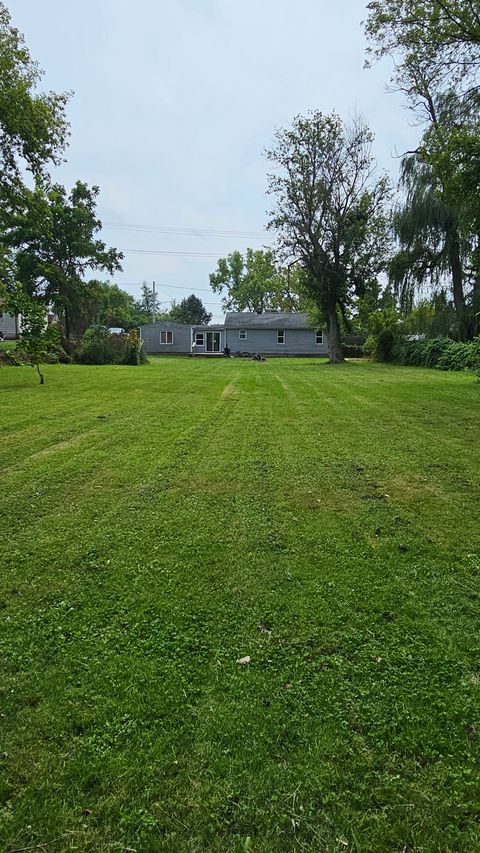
154, 299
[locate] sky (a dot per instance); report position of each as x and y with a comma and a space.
173, 104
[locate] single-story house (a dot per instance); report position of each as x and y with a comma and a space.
271, 333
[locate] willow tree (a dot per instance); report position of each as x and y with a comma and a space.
434, 247
329, 211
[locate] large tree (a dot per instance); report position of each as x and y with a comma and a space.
191, 311
250, 282
54, 240
33, 127
429, 233
435, 45
112, 306
329, 211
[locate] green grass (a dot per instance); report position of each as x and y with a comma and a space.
159, 523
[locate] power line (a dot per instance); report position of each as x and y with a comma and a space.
181, 254
175, 286
196, 232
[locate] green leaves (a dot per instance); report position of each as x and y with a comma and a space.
33, 126
191, 311
329, 210
251, 283
53, 237
431, 41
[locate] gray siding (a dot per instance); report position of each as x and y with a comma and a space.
9, 325
297, 342
182, 338
203, 330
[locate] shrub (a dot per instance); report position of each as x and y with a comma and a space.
99, 346
134, 351
13, 358
442, 353
385, 333
51, 350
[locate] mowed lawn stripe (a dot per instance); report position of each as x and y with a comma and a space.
224, 509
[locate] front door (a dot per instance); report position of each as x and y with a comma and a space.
213, 341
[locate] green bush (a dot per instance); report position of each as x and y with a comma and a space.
442, 353
98, 346
134, 351
52, 351
385, 333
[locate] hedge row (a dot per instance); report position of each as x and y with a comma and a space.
442, 353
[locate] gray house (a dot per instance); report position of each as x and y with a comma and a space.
166, 338
272, 333
10, 325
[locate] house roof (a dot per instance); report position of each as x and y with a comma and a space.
268, 320
219, 327
165, 324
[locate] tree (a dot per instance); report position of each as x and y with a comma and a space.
148, 304
38, 338
432, 245
53, 237
115, 307
329, 211
190, 311
33, 126
442, 37
250, 282
385, 333
436, 48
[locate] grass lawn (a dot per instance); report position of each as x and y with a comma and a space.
160, 523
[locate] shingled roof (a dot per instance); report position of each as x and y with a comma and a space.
268, 320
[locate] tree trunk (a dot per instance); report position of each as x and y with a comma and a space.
67, 324
42, 378
457, 284
335, 351
476, 306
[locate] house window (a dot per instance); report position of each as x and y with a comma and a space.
242, 334
166, 337
199, 339
319, 337
280, 336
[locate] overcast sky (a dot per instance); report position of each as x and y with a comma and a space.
174, 102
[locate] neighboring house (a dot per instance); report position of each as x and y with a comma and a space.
272, 333
9, 326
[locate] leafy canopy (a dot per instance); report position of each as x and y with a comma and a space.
33, 126
53, 238
329, 211
250, 282
191, 311
439, 39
